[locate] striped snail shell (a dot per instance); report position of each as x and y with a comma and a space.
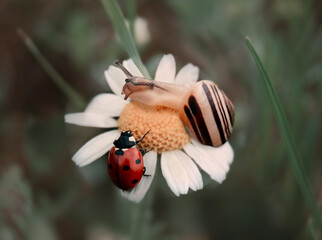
203, 108
208, 113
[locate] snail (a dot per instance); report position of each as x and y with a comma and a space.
204, 109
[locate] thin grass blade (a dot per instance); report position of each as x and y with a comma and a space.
131, 13
55, 76
288, 139
115, 14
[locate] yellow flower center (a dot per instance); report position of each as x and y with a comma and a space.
167, 130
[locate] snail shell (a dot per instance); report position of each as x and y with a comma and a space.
203, 108
207, 113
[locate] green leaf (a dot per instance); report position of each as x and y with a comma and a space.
288, 139
118, 21
55, 76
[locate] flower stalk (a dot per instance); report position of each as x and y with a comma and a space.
54, 75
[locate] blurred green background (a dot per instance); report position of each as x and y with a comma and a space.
45, 196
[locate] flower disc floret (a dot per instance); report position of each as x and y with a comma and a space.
166, 129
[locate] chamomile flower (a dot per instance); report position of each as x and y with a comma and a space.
181, 155
141, 31
141, 35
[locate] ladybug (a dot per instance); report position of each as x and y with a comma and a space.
125, 162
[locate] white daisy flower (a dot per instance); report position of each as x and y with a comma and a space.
142, 35
181, 155
141, 31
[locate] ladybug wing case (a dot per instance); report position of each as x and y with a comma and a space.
125, 170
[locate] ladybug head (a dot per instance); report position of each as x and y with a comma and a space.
126, 140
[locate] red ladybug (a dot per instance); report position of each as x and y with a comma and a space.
125, 162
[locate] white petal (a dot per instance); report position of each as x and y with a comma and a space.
222, 155
91, 120
95, 148
142, 33
188, 74
115, 79
166, 69
106, 103
132, 68
227, 153
138, 193
194, 176
174, 173
206, 161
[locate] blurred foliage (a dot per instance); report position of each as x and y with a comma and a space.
44, 194
296, 162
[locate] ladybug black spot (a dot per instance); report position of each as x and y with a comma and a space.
138, 161
134, 181
119, 152
110, 166
126, 168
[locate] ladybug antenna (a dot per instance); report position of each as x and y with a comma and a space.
120, 66
143, 137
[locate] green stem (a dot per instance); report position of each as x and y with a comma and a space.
58, 80
288, 139
112, 8
312, 230
115, 14
140, 224
131, 13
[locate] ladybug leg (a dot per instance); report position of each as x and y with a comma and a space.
146, 175
144, 151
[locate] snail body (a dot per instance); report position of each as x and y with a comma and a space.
204, 109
